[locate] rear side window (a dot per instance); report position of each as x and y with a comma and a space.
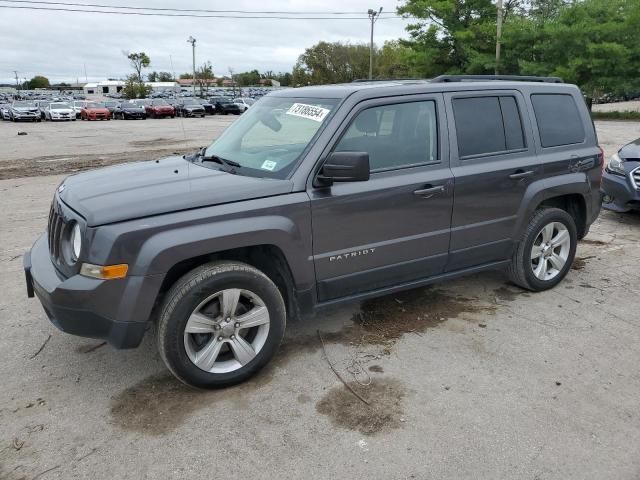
487, 125
558, 119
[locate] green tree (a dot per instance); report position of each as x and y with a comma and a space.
186, 76
134, 88
138, 61
204, 76
452, 36
38, 82
592, 43
331, 63
245, 79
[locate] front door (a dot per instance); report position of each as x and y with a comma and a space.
393, 228
493, 160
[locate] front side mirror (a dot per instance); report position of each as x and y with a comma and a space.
345, 167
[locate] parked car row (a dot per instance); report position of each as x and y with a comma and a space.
38, 110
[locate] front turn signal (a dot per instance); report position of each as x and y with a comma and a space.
104, 272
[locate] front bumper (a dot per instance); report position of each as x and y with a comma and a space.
619, 193
85, 306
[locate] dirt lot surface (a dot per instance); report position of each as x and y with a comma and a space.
631, 106
67, 147
473, 378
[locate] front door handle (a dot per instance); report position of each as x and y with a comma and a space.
429, 191
520, 174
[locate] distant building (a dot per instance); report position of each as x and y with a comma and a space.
103, 87
163, 86
188, 82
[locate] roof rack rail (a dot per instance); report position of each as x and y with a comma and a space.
482, 78
366, 80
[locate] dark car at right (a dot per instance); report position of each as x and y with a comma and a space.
225, 106
621, 179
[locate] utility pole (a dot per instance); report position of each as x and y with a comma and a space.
498, 35
192, 41
17, 80
373, 17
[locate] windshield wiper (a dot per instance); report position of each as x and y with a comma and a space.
229, 164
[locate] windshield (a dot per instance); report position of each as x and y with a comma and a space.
111, 104
95, 105
24, 104
269, 139
191, 102
161, 103
78, 104
59, 105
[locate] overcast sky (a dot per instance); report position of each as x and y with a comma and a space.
58, 45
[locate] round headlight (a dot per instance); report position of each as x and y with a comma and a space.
76, 242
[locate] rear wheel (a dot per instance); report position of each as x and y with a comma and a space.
546, 250
220, 324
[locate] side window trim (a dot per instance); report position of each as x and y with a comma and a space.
441, 119
353, 118
525, 121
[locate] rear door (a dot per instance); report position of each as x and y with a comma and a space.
493, 160
393, 228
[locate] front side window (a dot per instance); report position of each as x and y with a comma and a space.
272, 135
394, 136
487, 125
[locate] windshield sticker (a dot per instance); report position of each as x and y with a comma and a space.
308, 111
269, 165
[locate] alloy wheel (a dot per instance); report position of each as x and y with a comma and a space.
550, 251
226, 331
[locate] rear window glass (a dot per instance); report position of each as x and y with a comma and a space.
558, 119
487, 125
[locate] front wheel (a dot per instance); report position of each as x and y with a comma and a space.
546, 250
220, 324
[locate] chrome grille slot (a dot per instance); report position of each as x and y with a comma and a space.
635, 178
55, 230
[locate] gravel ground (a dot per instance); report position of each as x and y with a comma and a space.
67, 147
631, 106
473, 378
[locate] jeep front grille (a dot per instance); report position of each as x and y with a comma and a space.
635, 178
55, 229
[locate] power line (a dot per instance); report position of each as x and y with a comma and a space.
177, 15
126, 7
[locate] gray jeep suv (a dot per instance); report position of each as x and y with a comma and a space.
316, 196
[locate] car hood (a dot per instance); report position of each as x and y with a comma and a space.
25, 109
142, 189
62, 110
632, 150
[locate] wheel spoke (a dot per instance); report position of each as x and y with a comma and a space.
259, 315
206, 357
556, 261
199, 323
547, 233
541, 270
560, 239
229, 301
536, 251
242, 350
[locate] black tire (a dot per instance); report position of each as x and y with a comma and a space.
189, 292
520, 270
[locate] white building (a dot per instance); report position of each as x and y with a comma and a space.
105, 86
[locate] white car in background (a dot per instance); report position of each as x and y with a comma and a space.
77, 106
244, 103
59, 111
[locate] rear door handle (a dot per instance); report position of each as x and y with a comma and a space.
520, 174
429, 191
